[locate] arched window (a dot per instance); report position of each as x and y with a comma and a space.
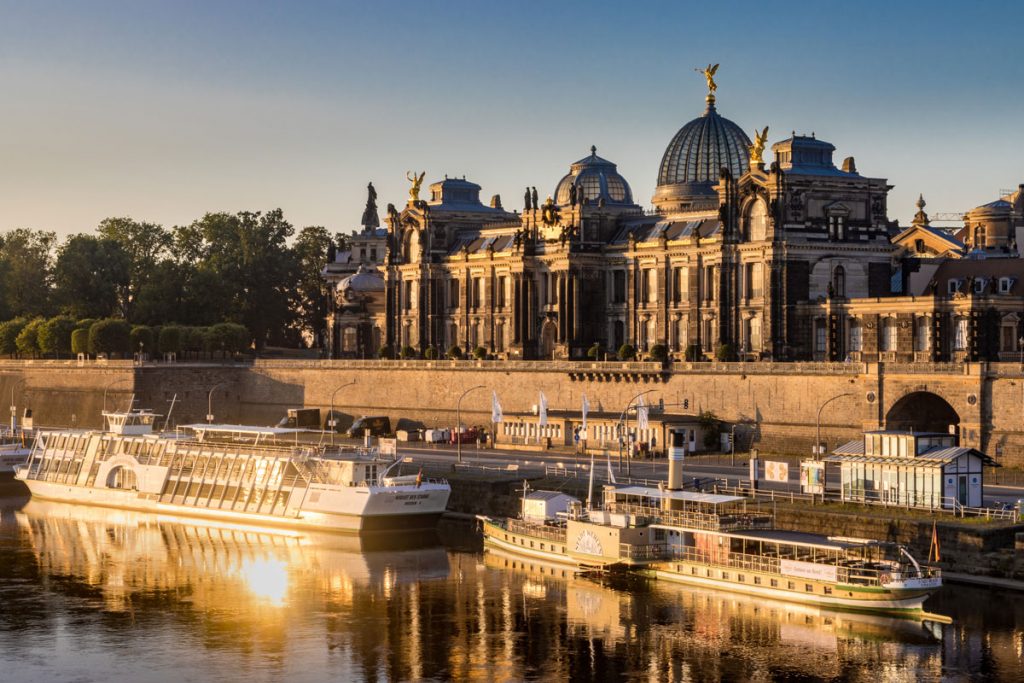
856, 335
618, 335
839, 281
923, 334
888, 340
757, 222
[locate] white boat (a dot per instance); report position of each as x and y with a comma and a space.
238, 473
14, 450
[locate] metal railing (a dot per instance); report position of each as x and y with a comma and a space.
536, 530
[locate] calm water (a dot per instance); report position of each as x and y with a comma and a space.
100, 595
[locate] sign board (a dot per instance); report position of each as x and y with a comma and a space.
776, 471
808, 570
812, 476
388, 447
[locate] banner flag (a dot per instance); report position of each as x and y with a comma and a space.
496, 414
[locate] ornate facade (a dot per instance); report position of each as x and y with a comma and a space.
792, 260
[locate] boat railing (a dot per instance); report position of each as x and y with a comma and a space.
641, 552
536, 529
704, 521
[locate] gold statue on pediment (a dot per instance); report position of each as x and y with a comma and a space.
757, 149
417, 182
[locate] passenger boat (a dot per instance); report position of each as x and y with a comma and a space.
255, 475
716, 541
15, 447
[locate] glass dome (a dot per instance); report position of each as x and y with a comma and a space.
701, 148
597, 178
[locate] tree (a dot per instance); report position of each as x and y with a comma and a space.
88, 274
9, 332
110, 336
455, 352
594, 352
480, 353
55, 335
407, 352
80, 341
659, 352
310, 288
144, 244
627, 352
169, 340
228, 338
27, 340
141, 338
725, 352
26, 269
694, 353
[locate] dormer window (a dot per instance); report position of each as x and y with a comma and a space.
1005, 283
919, 246
837, 214
979, 285
953, 286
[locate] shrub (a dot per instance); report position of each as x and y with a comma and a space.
111, 335
80, 341
480, 353
627, 352
594, 352
9, 332
55, 335
455, 352
384, 351
27, 340
430, 353
659, 352
194, 339
169, 340
693, 353
141, 338
712, 427
407, 352
725, 352
227, 337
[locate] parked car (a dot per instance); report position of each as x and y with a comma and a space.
378, 425
466, 435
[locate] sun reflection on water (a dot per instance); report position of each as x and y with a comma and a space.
267, 580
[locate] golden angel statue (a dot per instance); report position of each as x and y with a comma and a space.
417, 181
757, 149
709, 74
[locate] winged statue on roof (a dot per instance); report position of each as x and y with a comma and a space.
417, 181
709, 74
757, 149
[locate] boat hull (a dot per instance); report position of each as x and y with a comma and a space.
425, 518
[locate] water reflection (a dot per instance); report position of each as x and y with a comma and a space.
91, 594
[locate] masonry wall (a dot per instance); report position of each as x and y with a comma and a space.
779, 402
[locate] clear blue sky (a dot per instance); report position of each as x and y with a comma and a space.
166, 110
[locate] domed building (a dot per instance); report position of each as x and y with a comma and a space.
693, 161
593, 179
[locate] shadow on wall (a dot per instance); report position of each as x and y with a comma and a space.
62, 401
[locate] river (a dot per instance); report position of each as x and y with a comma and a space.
88, 594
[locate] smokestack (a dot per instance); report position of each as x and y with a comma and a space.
676, 454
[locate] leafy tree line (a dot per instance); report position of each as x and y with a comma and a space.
248, 268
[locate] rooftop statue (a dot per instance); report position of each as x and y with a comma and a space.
370, 217
417, 181
757, 149
709, 74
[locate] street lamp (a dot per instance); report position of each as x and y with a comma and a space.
331, 422
458, 420
619, 426
114, 383
817, 422
209, 402
14, 408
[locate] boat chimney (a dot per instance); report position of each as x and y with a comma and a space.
676, 454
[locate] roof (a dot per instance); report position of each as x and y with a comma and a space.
701, 148
796, 538
853, 452
548, 495
686, 496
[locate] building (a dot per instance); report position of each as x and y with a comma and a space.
738, 260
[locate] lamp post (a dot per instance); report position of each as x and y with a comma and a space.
209, 402
458, 420
817, 423
14, 408
331, 422
621, 416
114, 383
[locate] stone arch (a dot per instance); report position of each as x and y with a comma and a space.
548, 337
922, 411
122, 477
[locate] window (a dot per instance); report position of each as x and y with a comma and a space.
500, 293
758, 222
618, 286
790, 585
709, 283
1005, 284
680, 285
819, 335
919, 246
408, 294
453, 293
839, 281
888, 335
373, 254
923, 335
960, 335
856, 335
478, 291
953, 286
757, 580
755, 333
828, 590
809, 587
774, 583
650, 277
979, 285
1008, 335
837, 228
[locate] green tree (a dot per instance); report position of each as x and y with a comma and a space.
80, 341
111, 335
88, 275
454, 352
141, 339
659, 352
9, 332
144, 244
28, 339
169, 340
311, 289
480, 353
627, 352
227, 338
55, 335
26, 269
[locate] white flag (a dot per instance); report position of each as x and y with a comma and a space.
641, 414
496, 414
583, 422
542, 411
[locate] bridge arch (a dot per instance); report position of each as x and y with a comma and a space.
922, 411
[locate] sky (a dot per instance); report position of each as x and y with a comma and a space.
164, 111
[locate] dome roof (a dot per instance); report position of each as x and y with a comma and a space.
597, 178
365, 279
701, 148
